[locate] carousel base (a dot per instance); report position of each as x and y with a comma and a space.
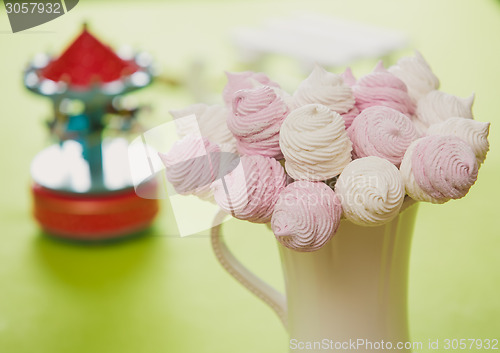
92, 217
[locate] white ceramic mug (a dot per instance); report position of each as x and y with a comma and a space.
353, 289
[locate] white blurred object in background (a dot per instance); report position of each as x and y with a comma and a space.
316, 39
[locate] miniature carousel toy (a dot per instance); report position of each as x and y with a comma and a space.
82, 187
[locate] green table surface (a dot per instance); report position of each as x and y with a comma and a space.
161, 293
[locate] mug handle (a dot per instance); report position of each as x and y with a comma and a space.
235, 268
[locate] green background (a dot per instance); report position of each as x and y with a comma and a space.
160, 293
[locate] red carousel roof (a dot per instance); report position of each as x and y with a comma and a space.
86, 61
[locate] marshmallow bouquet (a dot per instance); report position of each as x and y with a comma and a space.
338, 147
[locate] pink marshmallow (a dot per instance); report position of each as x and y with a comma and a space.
306, 216
348, 77
256, 120
382, 132
250, 191
244, 80
192, 164
444, 167
350, 116
383, 88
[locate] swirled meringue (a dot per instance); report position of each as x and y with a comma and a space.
383, 132
350, 116
416, 73
348, 77
250, 191
438, 168
383, 88
244, 80
326, 88
475, 133
255, 121
438, 106
192, 164
315, 144
306, 216
371, 190
211, 124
